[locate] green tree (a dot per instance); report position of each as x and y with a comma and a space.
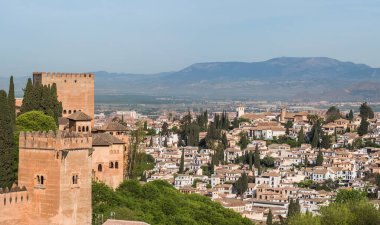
269, 218
336, 214
366, 111
182, 162
304, 219
225, 140
326, 141
332, 114
350, 196
256, 159
288, 125
244, 141
145, 125
35, 121
350, 115
12, 102
250, 160
241, 185
301, 137
363, 127
151, 141
166, 142
6, 143
316, 131
165, 129
319, 160
235, 123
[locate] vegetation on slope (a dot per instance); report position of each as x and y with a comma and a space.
158, 202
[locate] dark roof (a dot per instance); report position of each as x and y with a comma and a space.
105, 139
114, 126
79, 116
63, 121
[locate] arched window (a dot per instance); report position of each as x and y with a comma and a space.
69, 111
42, 180
100, 168
10, 200
116, 165
38, 179
16, 199
83, 129
5, 201
75, 111
111, 164
22, 198
64, 111
87, 128
79, 129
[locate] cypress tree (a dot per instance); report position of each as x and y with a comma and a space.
182, 163
12, 102
250, 160
257, 159
319, 160
224, 140
6, 143
236, 122
317, 130
351, 115
27, 101
363, 127
269, 218
166, 142
301, 137
151, 142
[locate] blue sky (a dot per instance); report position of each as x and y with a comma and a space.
164, 35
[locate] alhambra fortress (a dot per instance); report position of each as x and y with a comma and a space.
56, 169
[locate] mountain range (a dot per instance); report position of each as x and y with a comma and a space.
284, 78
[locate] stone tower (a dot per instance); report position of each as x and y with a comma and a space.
56, 170
282, 114
240, 111
74, 90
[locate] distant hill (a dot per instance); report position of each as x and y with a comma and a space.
297, 78
279, 78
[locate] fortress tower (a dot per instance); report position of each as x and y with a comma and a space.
55, 168
74, 90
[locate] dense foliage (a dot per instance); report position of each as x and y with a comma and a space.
6, 143
35, 121
351, 207
41, 98
158, 202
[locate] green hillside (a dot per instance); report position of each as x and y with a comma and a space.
158, 202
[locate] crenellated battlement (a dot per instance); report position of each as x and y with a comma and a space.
59, 140
63, 75
14, 196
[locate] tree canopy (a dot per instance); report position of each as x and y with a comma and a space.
35, 121
158, 202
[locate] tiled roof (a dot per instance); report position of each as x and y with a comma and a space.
79, 116
105, 139
114, 126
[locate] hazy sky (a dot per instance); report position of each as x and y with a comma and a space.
164, 35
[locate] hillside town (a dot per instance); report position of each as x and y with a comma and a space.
259, 164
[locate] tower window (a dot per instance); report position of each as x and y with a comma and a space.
111, 164
5, 201
40, 180
75, 179
87, 128
75, 81
79, 129
83, 129
64, 111
116, 165
100, 168
69, 111
75, 111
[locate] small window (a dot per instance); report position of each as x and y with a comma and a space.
22, 198
16, 199
100, 168
85, 75
75, 81
75, 111
87, 129
111, 164
69, 111
5, 201
83, 129
79, 129
64, 111
75, 179
89, 75
10, 200
65, 81
116, 165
